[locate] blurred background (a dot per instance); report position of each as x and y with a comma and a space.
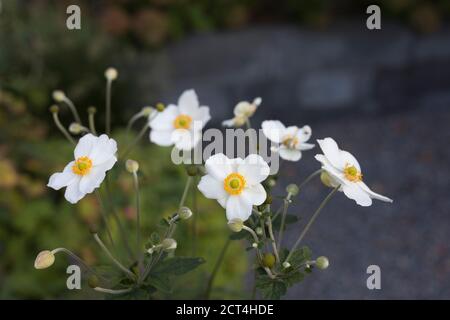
382, 94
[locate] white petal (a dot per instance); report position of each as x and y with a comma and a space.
228, 123
73, 193
95, 177
161, 137
372, 194
212, 188
202, 115
84, 145
331, 152
62, 179
290, 154
353, 191
291, 131
223, 201
219, 166
274, 130
332, 171
303, 134
164, 120
238, 208
256, 195
185, 139
254, 169
188, 102
103, 150
306, 146
349, 159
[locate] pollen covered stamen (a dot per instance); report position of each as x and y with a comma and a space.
352, 174
183, 121
234, 183
290, 142
82, 166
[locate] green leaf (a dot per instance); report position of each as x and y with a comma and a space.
290, 219
178, 265
293, 278
272, 289
299, 256
160, 282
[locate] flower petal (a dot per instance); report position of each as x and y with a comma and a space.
164, 120
372, 194
353, 191
219, 166
254, 169
188, 102
349, 159
62, 179
212, 188
202, 115
84, 145
185, 139
304, 133
290, 154
73, 193
274, 130
93, 180
103, 150
331, 152
238, 208
256, 195
161, 137
306, 146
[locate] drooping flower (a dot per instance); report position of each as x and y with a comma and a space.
235, 183
93, 157
242, 112
180, 125
291, 140
344, 170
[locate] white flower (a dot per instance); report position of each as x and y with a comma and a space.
344, 170
242, 112
180, 125
93, 157
291, 140
235, 183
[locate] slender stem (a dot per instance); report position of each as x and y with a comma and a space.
74, 256
108, 253
255, 237
216, 268
247, 123
73, 109
104, 217
309, 178
311, 221
138, 223
185, 191
272, 239
111, 291
135, 141
108, 106
277, 213
61, 128
92, 123
283, 219
195, 219
133, 120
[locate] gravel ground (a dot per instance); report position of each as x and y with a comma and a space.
403, 156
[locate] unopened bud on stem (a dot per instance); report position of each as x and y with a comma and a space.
111, 74
184, 213
44, 259
169, 244
236, 225
58, 95
322, 262
132, 166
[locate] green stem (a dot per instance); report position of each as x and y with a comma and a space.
138, 223
74, 256
104, 217
108, 106
73, 109
216, 268
92, 123
61, 128
311, 221
111, 291
309, 178
135, 141
272, 239
283, 220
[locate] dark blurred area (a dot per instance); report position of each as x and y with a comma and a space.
382, 94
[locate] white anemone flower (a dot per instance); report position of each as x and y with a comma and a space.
291, 140
180, 125
242, 112
235, 183
93, 157
344, 170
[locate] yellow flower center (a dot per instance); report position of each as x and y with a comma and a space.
290, 142
183, 121
352, 174
234, 183
82, 166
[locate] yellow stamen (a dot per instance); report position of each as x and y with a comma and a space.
290, 141
183, 121
352, 174
82, 166
234, 183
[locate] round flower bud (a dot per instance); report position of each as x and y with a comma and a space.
54, 109
92, 110
93, 281
271, 182
169, 244
322, 262
292, 189
147, 111
160, 107
268, 260
286, 265
326, 179
259, 231
254, 245
111, 74
191, 170
184, 213
132, 166
235, 225
58, 95
44, 259
257, 101
76, 128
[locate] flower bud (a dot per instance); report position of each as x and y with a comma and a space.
169, 244
44, 259
147, 111
322, 262
271, 182
268, 260
191, 170
257, 101
184, 213
76, 128
259, 231
54, 109
111, 74
58, 95
292, 189
92, 110
93, 281
132, 166
160, 107
326, 179
254, 245
235, 225
239, 120
286, 265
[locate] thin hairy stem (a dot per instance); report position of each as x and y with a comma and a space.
216, 268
